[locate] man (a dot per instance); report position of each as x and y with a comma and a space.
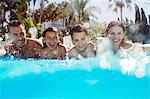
82, 47
21, 46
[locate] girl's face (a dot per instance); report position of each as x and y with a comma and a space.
116, 34
51, 39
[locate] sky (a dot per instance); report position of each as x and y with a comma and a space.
107, 14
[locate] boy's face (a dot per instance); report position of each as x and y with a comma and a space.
18, 32
51, 39
80, 41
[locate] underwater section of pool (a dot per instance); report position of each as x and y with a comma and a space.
68, 79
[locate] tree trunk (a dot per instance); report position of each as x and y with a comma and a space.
121, 14
41, 12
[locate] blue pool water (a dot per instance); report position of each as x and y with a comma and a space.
73, 79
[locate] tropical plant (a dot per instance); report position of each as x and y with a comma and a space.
147, 2
83, 11
96, 30
52, 12
120, 4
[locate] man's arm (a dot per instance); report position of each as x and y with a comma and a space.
2, 51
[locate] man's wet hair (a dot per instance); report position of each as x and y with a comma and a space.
78, 28
15, 23
50, 29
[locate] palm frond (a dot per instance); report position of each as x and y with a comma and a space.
93, 9
147, 2
34, 1
110, 5
93, 15
109, 0
120, 4
128, 1
129, 7
115, 10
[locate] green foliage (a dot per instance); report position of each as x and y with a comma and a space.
29, 21
52, 12
96, 29
83, 11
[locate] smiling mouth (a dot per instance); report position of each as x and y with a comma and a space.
81, 47
115, 40
51, 44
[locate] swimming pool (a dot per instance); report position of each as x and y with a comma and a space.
68, 79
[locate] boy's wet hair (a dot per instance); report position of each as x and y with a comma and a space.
15, 23
50, 29
115, 23
78, 28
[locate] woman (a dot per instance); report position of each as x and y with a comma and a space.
116, 33
133, 58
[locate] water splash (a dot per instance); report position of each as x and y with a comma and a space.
128, 64
15, 67
130, 61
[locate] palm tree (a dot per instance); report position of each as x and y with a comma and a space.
147, 1
83, 11
2, 29
120, 4
52, 12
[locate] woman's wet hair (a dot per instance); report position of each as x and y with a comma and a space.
50, 29
78, 28
115, 23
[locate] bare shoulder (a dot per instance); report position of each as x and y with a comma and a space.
43, 50
62, 48
34, 42
91, 46
72, 52
126, 45
72, 49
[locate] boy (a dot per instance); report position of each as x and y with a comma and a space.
82, 47
51, 47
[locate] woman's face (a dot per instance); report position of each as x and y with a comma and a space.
51, 39
116, 34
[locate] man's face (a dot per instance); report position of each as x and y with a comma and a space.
18, 32
51, 39
80, 41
